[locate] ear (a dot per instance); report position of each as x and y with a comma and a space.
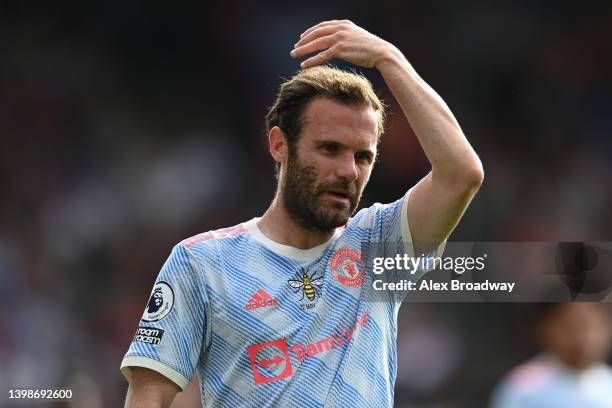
277, 140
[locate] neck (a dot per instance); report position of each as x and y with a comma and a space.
573, 364
280, 227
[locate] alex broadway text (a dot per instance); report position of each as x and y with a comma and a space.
429, 285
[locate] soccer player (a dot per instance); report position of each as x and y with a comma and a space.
270, 312
571, 372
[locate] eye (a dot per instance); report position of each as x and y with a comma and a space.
330, 148
363, 157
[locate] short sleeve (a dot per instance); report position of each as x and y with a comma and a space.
172, 331
394, 227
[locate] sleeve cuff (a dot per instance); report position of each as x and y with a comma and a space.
157, 366
405, 228
407, 236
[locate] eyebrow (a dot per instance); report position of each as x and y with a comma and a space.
321, 142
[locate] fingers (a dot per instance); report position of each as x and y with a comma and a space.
317, 32
323, 36
324, 24
315, 45
320, 58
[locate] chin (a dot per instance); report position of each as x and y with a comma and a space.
338, 221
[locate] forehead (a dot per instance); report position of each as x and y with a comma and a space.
331, 120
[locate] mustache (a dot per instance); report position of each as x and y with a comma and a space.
345, 186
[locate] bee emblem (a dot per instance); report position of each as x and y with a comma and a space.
308, 284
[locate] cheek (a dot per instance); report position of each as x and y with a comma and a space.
365, 176
324, 169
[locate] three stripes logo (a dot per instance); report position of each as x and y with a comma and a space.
260, 299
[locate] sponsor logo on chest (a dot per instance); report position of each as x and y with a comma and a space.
271, 361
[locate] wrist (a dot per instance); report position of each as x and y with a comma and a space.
388, 57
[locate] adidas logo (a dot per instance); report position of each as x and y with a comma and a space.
260, 299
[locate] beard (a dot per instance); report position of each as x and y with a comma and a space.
304, 199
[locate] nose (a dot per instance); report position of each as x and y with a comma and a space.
347, 167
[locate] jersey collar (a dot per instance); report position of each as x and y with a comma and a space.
287, 250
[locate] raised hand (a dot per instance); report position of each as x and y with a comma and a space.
340, 39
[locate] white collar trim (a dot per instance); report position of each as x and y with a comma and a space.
287, 250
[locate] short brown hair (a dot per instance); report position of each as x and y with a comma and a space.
295, 94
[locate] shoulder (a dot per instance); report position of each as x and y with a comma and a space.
366, 217
376, 213
531, 375
206, 247
600, 376
205, 239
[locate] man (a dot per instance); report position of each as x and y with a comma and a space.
572, 371
270, 311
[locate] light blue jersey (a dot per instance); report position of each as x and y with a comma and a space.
546, 382
266, 324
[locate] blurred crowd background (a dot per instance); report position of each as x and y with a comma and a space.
126, 127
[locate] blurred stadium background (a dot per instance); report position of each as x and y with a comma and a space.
128, 126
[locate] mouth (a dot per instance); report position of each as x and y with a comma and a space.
338, 196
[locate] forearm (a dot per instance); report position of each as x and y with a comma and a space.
437, 130
149, 389
139, 399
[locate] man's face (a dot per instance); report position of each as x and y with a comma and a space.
331, 164
579, 333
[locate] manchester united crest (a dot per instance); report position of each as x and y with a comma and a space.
348, 267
